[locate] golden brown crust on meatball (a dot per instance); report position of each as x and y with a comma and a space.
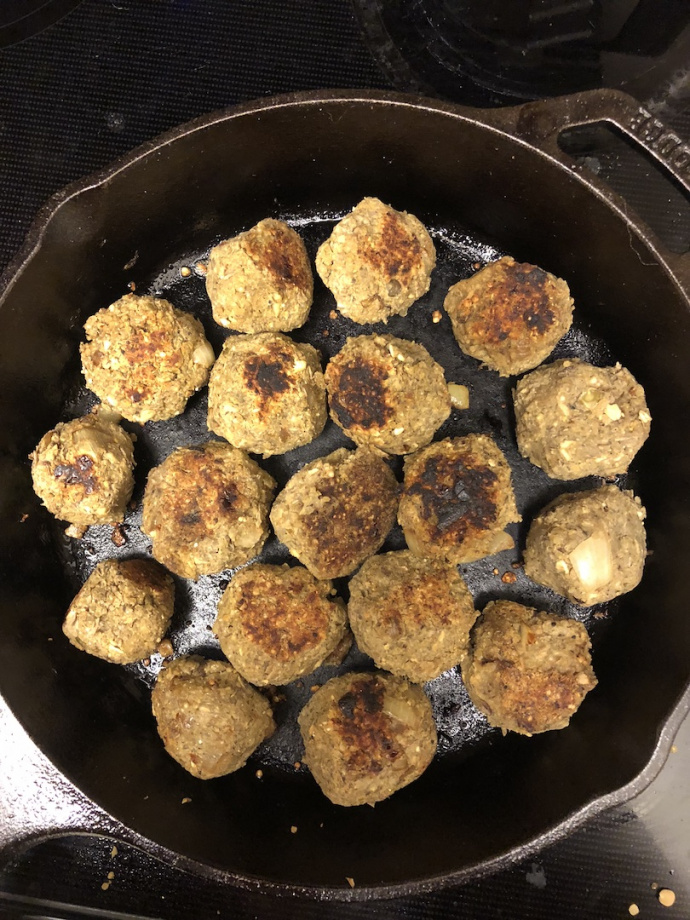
527, 671
376, 262
574, 419
206, 509
366, 736
457, 499
412, 616
209, 718
588, 546
336, 511
123, 610
267, 393
145, 358
387, 393
277, 623
510, 315
260, 280
82, 470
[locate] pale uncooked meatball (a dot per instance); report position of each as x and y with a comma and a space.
366, 736
457, 500
588, 546
376, 262
510, 315
260, 280
574, 419
123, 610
388, 393
527, 671
145, 358
206, 509
337, 511
277, 623
210, 720
412, 615
267, 393
82, 470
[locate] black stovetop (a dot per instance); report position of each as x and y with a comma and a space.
114, 73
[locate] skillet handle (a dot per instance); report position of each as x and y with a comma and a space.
542, 122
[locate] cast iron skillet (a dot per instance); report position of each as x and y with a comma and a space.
485, 183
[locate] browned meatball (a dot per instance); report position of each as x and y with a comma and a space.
266, 393
337, 511
366, 736
206, 509
574, 419
527, 671
377, 262
412, 615
123, 610
82, 470
209, 718
510, 315
387, 393
145, 358
277, 623
588, 546
260, 280
457, 499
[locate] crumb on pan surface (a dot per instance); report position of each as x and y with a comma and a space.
145, 358
377, 262
260, 280
366, 735
510, 315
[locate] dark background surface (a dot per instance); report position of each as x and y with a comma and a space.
90, 87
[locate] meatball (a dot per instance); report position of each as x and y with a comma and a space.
82, 470
377, 262
206, 509
209, 718
574, 419
260, 280
588, 546
526, 670
510, 315
412, 615
277, 623
366, 736
267, 393
337, 511
145, 358
387, 393
123, 610
457, 499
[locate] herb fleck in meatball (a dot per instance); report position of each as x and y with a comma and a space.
277, 623
412, 615
588, 546
574, 419
510, 315
145, 358
377, 262
457, 499
387, 393
267, 393
527, 671
337, 511
123, 610
260, 280
206, 509
209, 718
366, 736
82, 470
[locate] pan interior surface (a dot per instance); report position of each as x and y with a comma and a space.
481, 195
